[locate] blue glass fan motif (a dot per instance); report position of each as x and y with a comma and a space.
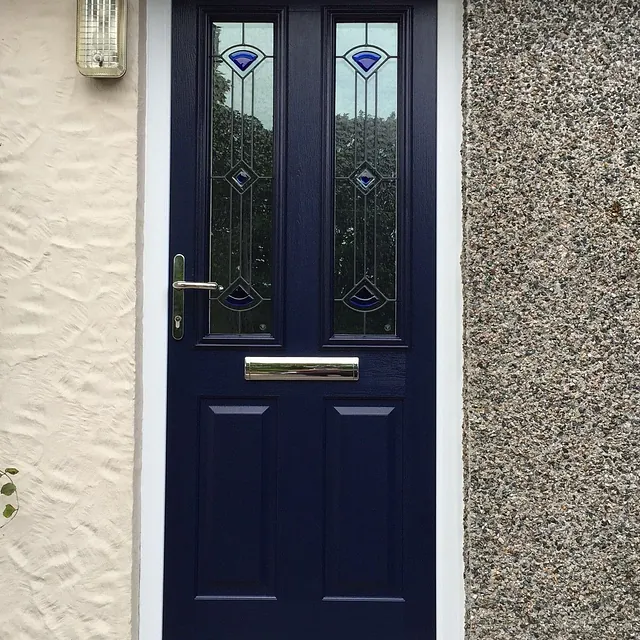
239, 298
243, 59
365, 296
364, 299
366, 59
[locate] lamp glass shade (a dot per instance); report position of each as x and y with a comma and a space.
101, 38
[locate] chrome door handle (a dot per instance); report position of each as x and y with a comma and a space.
179, 284
203, 286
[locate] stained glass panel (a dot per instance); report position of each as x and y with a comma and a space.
242, 102
365, 190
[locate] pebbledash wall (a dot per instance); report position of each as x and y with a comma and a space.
68, 193
551, 266
551, 196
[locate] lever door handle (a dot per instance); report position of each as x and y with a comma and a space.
203, 286
179, 284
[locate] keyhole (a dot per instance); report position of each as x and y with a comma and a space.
178, 321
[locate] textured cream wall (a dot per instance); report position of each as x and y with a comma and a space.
68, 184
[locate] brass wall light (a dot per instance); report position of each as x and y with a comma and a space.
101, 38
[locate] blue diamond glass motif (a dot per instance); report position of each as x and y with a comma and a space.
241, 178
243, 59
366, 178
366, 59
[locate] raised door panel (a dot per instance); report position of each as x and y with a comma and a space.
363, 474
236, 541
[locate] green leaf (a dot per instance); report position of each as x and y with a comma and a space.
11, 471
9, 510
8, 489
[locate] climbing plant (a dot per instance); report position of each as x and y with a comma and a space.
10, 504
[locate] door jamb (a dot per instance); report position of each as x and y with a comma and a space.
154, 176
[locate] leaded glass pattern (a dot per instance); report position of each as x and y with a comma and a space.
365, 179
242, 156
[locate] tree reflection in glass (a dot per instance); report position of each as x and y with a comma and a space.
242, 125
365, 198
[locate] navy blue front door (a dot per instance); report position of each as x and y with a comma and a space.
303, 184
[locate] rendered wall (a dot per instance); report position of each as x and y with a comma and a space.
552, 319
552, 230
68, 185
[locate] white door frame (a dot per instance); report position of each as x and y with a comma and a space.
156, 79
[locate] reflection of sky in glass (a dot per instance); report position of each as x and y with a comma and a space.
350, 91
380, 34
257, 85
346, 90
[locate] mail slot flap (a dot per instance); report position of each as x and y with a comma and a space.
327, 369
